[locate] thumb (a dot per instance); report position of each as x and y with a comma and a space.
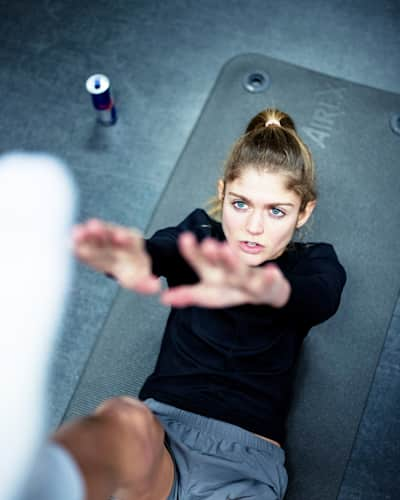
147, 285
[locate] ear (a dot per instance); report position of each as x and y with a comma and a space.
306, 213
221, 189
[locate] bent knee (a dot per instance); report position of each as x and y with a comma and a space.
128, 413
137, 435
121, 405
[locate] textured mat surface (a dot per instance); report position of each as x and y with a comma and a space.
372, 472
347, 127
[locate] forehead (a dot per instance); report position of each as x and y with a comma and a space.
263, 187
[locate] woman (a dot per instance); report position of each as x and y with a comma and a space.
210, 419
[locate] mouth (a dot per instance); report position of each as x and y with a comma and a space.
251, 247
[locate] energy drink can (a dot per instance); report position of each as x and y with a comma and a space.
99, 88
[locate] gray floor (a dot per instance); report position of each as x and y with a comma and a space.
163, 58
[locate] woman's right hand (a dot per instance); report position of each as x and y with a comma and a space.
117, 251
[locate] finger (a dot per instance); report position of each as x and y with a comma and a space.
261, 279
112, 234
135, 240
207, 258
78, 233
190, 250
106, 234
94, 258
96, 228
202, 296
89, 232
130, 239
272, 273
235, 268
147, 285
91, 244
228, 269
228, 257
258, 285
210, 250
279, 286
180, 296
119, 236
268, 285
213, 269
81, 233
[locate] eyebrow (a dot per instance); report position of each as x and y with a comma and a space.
268, 204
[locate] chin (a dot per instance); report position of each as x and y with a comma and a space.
254, 260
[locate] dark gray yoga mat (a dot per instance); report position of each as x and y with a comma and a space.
347, 126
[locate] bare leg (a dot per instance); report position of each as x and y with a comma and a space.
120, 450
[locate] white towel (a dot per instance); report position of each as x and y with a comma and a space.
37, 204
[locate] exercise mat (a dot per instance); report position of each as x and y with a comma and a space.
352, 131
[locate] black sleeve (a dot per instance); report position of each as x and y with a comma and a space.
163, 248
317, 282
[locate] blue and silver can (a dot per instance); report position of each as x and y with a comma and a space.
98, 87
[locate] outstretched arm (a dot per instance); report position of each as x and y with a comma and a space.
117, 251
224, 279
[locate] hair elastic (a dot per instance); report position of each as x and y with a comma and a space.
272, 121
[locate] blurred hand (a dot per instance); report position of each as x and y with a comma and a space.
117, 251
224, 279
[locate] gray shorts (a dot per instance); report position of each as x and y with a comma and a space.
215, 460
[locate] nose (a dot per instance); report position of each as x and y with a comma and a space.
255, 223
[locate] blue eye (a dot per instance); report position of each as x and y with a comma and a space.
276, 212
241, 205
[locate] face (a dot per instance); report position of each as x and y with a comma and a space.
260, 215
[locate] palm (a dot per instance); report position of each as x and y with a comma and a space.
224, 280
117, 251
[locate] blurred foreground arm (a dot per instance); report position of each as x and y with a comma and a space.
37, 201
117, 251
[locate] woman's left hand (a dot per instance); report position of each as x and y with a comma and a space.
224, 280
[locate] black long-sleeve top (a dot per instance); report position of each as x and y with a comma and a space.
236, 363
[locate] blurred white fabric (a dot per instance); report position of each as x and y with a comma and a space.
37, 208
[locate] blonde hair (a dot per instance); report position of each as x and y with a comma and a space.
271, 144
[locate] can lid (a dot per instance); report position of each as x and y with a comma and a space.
97, 84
